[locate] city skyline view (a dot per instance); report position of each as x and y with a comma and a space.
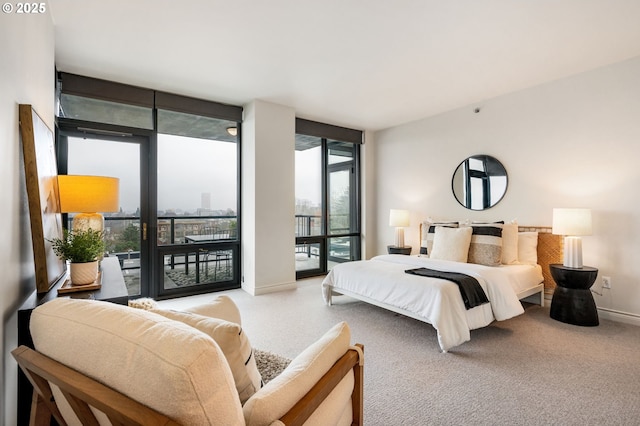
187, 168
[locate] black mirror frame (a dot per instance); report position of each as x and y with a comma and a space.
494, 164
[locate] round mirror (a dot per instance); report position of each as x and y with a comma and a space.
479, 182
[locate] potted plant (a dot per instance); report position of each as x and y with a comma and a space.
82, 248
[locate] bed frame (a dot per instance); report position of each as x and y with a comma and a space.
549, 251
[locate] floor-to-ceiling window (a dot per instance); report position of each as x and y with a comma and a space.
198, 196
177, 231
327, 197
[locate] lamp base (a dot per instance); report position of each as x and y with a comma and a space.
572, 252
84, 221
399, 240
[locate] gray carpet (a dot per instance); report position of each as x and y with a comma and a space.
269, 364
530, 370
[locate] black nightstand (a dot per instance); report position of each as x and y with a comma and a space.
399, 250
572, 300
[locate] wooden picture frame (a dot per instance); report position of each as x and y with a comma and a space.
41, 173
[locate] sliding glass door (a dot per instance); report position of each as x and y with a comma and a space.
115, 155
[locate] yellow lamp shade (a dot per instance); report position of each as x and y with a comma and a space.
88, 194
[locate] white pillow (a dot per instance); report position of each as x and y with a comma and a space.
234, 344
451, 244
509, 243
528, 247
428, 233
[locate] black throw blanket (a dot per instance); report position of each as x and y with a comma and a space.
472, 293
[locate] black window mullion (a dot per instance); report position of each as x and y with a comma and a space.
324, 159
151, 204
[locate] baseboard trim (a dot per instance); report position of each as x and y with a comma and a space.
273, 288
606, 313
625, 317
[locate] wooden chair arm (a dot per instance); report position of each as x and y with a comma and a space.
304, 408
81, 392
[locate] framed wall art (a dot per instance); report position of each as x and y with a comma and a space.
41, 173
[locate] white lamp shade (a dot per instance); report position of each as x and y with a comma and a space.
574, 222
399, 218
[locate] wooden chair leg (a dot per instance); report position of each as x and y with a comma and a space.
357, 397
40, 412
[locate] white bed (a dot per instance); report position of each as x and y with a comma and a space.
382, 281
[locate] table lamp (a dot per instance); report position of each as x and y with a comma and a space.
88, 196
399, 219
572, 223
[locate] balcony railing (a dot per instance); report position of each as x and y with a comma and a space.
122, 235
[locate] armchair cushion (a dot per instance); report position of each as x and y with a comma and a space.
280, 394
235, 346
139, 353
221, 307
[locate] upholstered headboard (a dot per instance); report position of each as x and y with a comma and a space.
549, 251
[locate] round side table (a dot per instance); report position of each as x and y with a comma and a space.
406, 250
572, 301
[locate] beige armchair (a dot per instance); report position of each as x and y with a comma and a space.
101, 363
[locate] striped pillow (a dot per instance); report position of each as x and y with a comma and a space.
428, 233
486, 244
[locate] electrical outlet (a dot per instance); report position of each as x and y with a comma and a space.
606, 282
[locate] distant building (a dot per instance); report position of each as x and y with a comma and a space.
205, 201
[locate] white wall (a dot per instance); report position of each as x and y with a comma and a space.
369, 197
26, 76
268, 198
574, 142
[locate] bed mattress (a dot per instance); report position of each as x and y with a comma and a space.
382, 281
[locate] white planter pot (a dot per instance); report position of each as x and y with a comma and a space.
83, 273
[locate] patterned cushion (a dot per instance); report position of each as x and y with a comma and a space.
428, 233
486, 244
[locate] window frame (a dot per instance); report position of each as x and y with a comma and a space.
104, 90
329, 133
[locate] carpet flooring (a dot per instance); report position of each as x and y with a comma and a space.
529, 370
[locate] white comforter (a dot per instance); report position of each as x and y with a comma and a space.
438, 302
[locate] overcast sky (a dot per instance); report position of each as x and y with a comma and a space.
187, 168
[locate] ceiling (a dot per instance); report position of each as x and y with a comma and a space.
364, 64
